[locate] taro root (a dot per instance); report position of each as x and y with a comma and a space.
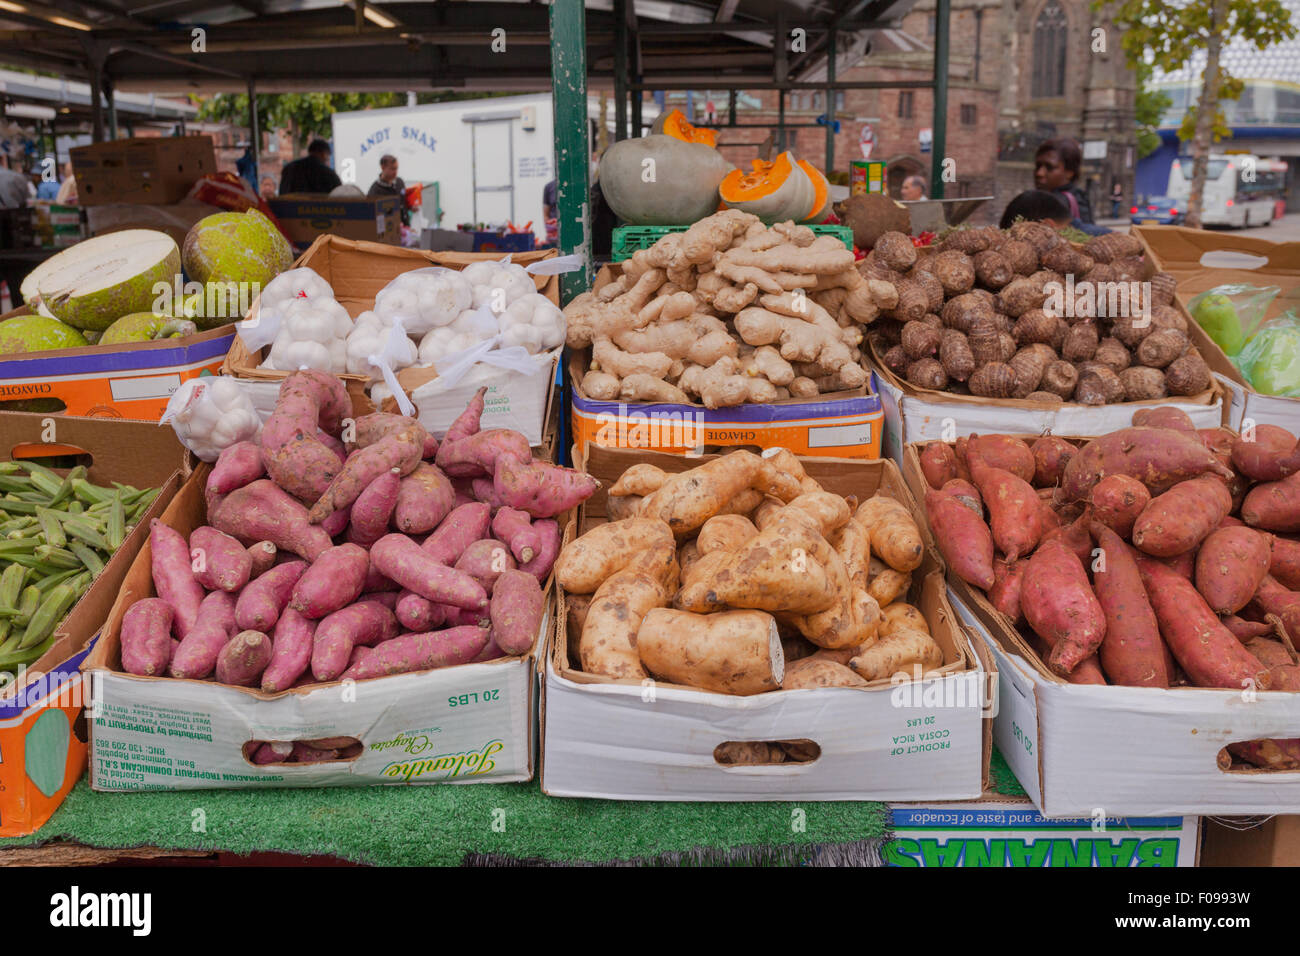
1163, 286
955, 355
994, 380
1131, 330
985, 343
1098, 385
1167, 317
963, 311
1020, 296
896, 360
1039, 235
913, 300
1060, 378
1030, 363
1188, 375
992, 269
895, 250
932, 286
1112, 246
1161, 347
1142, 383
956, 271
1020, 255
1112, 353
970, 241
920, 339
1034, 326
1050, 398
1080, 343
927, 373
1067, 260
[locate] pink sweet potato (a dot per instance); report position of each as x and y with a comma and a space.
337, 522
334, 581
1203, 647
548, 532
1180, 519
1087, 672
373, 509
1164, 416
292, 453
273, 751
963, 538
1230, 565
1059, 604
1051, 455
1131, 651
362, 624
172, 577
376, 582
402, 560
1047, 516
1272, 598
516, 611
467, 422
303, 753
1005, 593
333, 444
515, 528
485, 561
219, 562
1117, 500
261, 558
1001, 451
1274, 505
424, 499
290, 651
1244, 630
243, 659
1274, 655
462, 617
418, 652
540, 488
261, 511
375, 427
197, 654
1259, 453
263, 600
462, 527
1075, 536
1284, 563
416, 613
479, 453
238, 465
147, 638
400, 449
1270, 754
485, 490
938, 463
966, 494
491, 651
1014, 512
1157, 457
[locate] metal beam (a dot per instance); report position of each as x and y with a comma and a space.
569, 83
620, 70
752, 82
254, 132
194, 64
939, 130
829, 163
636, 64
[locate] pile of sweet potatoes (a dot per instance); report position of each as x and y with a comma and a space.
338, 549
1158, 555
742, 576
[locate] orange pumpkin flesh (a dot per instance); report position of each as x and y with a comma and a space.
765, 178
675, 125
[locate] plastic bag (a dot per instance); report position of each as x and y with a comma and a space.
1231, 314
1270, 361
263, 323
424, 299
209, 414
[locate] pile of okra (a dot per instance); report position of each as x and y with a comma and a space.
56, 535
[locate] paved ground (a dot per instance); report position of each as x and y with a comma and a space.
1286, 229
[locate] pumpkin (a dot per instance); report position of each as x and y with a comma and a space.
774, 191
674, 124
821, 207
659, 180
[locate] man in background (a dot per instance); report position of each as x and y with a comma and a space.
311, 173
391, 184
913, 188
15, 189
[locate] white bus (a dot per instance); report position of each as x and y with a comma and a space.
1240, 189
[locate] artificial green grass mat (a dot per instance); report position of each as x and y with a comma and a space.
442, 825
1001, 779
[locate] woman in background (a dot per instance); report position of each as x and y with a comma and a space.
1056, 170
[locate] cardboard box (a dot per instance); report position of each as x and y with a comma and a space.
147, 169
1179, 250
42, 733
304, 218
921, 414
648, 740
1083, 750
466, 724
358, 271
1003, 831
176, 219
131, 381
846, 424
1249, 841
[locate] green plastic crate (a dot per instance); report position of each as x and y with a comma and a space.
628, 239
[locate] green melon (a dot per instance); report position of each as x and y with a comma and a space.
661, 181
92, 284
243, 248
36, 333
145, 327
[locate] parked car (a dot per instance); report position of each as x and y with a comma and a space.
1157, 211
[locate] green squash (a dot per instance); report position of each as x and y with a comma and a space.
658, 180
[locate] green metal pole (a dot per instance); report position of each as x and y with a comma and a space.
620, 70
572, 154
830, 101
939, 135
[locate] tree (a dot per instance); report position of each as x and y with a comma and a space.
1148, 106
1165, 34
306, 114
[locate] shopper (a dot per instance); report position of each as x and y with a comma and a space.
1037, 205
14, 186
391, 184
550, 206
913, 188
68, 188
268, 187
1056, 169
311, 173
1116, 199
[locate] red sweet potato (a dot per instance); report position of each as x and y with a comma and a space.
373, 509
172, 577
959, 449
1059, 604
1117, 500
1014, 513
1047, 516
1001, 451
238, 465
1005, 593
1245, 630
400, 449
515, 528
424, 499
261, 557
1259, 453
1088, 671
418, 652
963, 538
1075, 536
197, 654
1157, 457
516, 611
1164, 416
416, 613
1274, 505
274, 751
1230, 565
263, 600
548, 532
1284, 563
261, 511
290, 651
1203, 647
1131, 651
146, 637
540, 488
966, 494
1051, 455
1269, 754
292, 453
1272, 598
462, 527
402, 560
243, 658
1181, 518
219, 562
364, 623
491, 651
378, 425
467, 422
1273, 655
938, 463
478, 454
334, 581
485, 561
376, 583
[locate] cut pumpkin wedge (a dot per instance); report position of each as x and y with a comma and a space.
774, 190
674, 124
821, 206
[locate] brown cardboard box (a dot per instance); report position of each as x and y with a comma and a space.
305, 217
148, 169
1238, 841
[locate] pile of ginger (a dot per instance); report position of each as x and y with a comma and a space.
729, 312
